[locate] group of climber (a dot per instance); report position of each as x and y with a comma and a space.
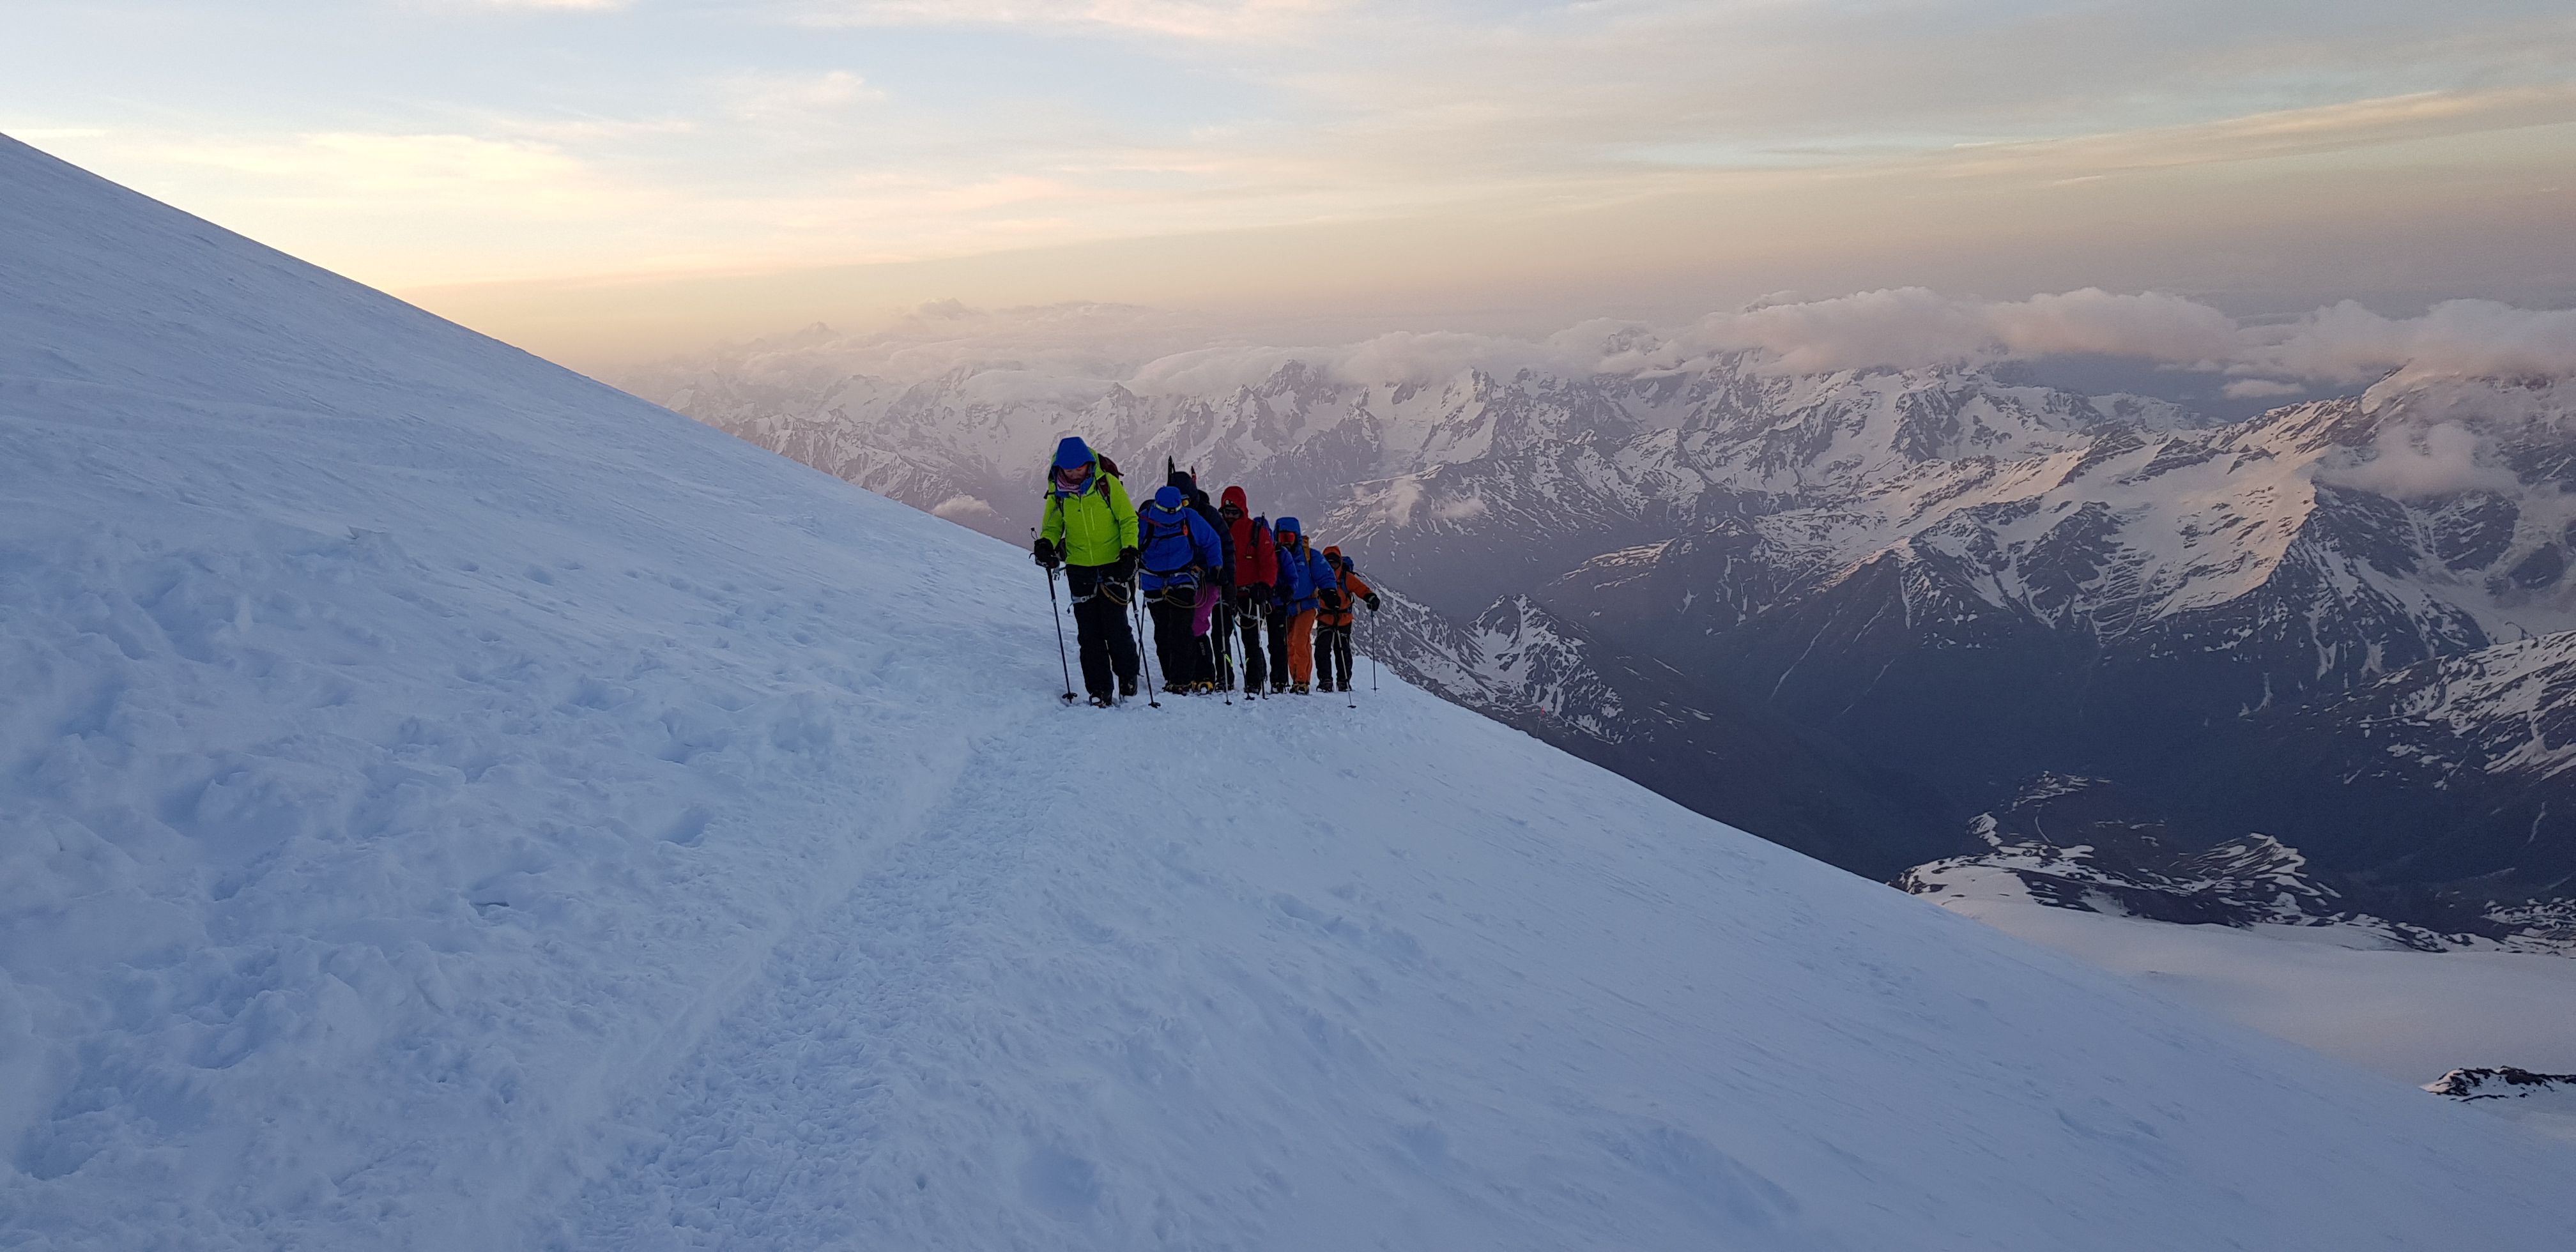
1209, 575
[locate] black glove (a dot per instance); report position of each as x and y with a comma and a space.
1332, 600
1125, 570
1047, 555
1370, 600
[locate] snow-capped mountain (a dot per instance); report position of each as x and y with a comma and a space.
1702, 746
2089, 845
2470, 755
1962, 580
452, 804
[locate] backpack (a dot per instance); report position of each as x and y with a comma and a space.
1154, 525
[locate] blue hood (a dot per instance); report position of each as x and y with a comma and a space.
1072, 452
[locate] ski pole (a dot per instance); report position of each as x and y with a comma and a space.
1055, 610
1147, 658
1372, 642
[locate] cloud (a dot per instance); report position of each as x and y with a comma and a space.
371, 163
964, 510
772, 97
2347, 343
1906, 327
2151, 325
1181, 19
2260, 389
2411, 461
1074, 354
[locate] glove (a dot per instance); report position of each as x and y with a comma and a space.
1370, 600
1046, 554
1332, 600
1125, 570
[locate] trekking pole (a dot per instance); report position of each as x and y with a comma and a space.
1222, 621
1056, 611
1372, 640
1342, 658
1137, 599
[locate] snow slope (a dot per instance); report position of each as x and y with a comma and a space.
445, 803
2345, 991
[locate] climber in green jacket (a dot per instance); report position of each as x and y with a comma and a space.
1090, 530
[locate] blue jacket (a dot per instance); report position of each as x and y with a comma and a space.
1303, 572
1321, 574
1175, 539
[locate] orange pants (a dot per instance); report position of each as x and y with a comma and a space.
1301, 648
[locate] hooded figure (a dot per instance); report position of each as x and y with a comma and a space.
1209, 672
1180, 558
1334, 621
1304, 577
1256, 566
1090, 530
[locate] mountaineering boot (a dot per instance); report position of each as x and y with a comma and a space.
1103, 702
1297, 689
1127, 687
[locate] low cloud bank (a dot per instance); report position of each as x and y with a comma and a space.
1906, 327
2347, 343
1072, 353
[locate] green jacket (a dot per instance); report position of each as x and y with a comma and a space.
1093, 527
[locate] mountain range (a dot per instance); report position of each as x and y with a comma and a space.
1850, 610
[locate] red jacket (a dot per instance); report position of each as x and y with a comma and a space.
1256, 560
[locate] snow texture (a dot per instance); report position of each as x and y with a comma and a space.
2346, 991
445, 803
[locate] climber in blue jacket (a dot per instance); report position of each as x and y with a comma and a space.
1178, 554
1304, 577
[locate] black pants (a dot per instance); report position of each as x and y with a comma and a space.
1247, 619
1278, 615
1100, 622
1333, 656
1176, 651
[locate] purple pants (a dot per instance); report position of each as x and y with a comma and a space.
1208, 595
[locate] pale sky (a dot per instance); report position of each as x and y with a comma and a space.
604, 180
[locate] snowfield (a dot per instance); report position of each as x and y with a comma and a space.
448, 804
2341, 990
